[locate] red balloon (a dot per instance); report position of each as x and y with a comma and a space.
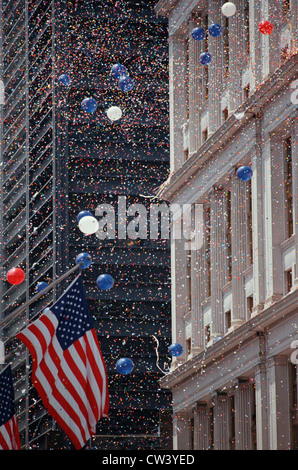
15, 276
265, 27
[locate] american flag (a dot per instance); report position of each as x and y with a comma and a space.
68, 370
9, 432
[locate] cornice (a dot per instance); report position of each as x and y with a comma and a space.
224, 135
258, 324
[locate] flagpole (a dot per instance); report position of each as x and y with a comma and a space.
40, 294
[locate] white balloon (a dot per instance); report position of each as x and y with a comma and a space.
114, 113
228, 9
239, 116
88, 224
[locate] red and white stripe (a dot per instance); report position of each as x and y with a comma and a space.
9, 435
72, 383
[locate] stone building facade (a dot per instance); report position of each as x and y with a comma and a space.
234, 300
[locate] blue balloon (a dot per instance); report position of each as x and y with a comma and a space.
215, 30
65, 79
198, 34
105, 281
244, 173
118, 70
89, 105
83, 214
41, 285
175, 349
85, 258
124, 366
126, 83
205, 58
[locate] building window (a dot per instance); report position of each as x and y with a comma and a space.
228, 319
288, 280
186, 154
246, 91
249, 305
205, 67
208, 252
188, 346
229, 235
286, 5
205, 134
192, 434
225, 114
288, 187
246, 28
207, 333
226, 47
232, 423
188, 277
293, 406
211, 428
187, 77
249, 222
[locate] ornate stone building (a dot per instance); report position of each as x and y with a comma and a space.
234, 301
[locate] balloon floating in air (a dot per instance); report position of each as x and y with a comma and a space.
114, 113
41, 285
88, 224
89, 105
65, 79
15, 276
124, 366
239, 115
175, 349
105, 282
125, 83
85, 259
118, 70
205, 58
198, 34
265, 27
228, 9
244, 173
215, 30
83, 214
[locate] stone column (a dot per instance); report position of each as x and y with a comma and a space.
178, 295
256, 75
261, 407
195, 97
201, 427
179, 299
243, 415
279, 406
217, 261
177, 98
276, 16
221, 431
236, 57
197, 311
273, 221
239, 249
182, 431
295, 193
258, 222
215, 70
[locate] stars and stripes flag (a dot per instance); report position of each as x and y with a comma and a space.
68, 370
9, 432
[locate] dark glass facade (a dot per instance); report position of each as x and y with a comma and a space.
57, 161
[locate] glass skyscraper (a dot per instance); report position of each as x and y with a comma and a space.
57, 160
